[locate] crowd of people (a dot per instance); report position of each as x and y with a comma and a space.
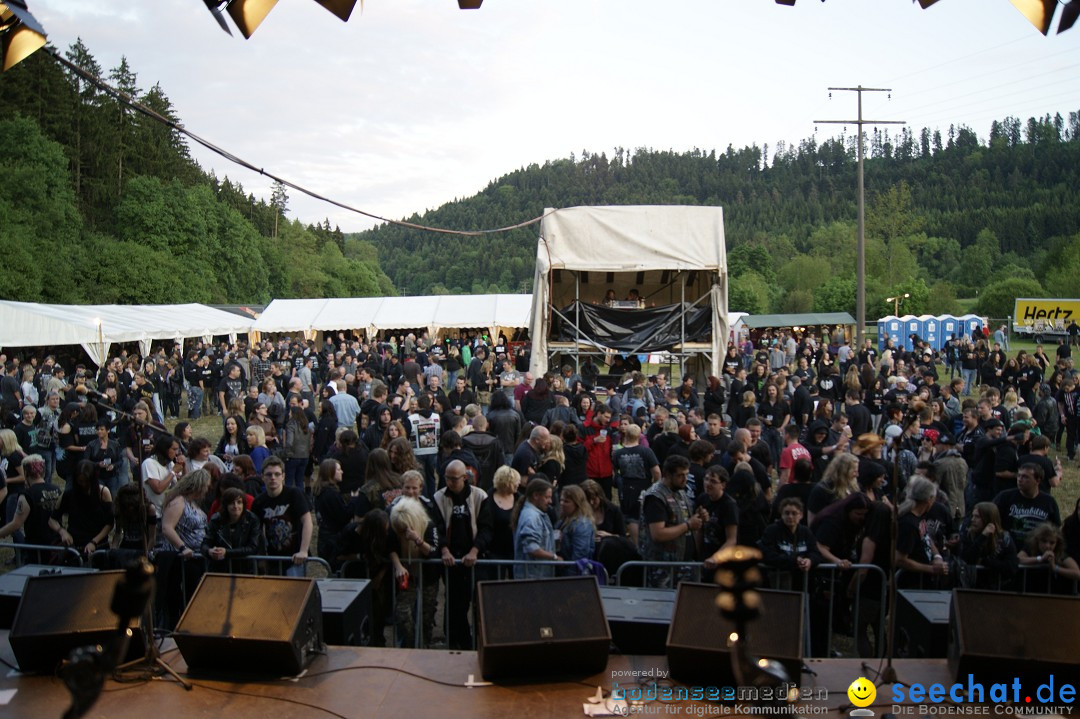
409, 462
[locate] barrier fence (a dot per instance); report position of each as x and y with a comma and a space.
826, 619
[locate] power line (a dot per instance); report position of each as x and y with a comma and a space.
153, 115
860, 260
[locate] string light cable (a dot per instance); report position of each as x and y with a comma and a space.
157, 117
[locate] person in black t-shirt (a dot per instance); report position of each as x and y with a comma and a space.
719, 513
636, 468
916, 552
1024, 508
787, 544
286, 517
33, 513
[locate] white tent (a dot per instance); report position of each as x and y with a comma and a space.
289, 315
670, 254
435, 312
96, 327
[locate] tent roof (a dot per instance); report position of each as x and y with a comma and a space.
28, 324
289, 315
395, 313
798, 320
633, 238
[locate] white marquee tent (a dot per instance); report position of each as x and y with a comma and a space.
371, 314
670, 254
97, 327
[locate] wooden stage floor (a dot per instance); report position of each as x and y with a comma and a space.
412, 683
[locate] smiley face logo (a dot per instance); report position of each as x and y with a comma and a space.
862, 692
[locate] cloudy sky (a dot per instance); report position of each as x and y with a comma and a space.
414, 103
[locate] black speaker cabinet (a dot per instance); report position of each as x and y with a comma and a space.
13, 583
251, 625
639, 618
997, 636
922, 623
346, 611
697, 643
60, 612
541, 627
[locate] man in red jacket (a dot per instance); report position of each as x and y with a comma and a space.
598, 442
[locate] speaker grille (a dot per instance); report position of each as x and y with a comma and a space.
67, 603
776, 633
246, 607
569, 609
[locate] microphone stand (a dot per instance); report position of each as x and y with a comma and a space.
151, 658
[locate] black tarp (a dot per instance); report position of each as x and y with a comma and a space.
649, 329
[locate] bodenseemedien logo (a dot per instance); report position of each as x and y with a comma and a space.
973, 697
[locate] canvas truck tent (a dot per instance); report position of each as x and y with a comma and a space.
673, 256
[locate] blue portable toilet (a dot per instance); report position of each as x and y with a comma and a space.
949, 326
970, 323
890, 328
931, 331
912, 326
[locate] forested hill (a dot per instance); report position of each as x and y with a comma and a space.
949, 216
100, 204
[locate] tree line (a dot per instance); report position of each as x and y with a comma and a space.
102, 204
949, 217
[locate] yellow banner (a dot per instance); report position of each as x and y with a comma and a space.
1050, 312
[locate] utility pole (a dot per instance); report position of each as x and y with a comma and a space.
860, 242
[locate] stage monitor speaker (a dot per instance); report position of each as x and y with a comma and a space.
639, 618
346, 611
922, 623
697, 643
243, 624
13, 583
998, 637
60, 612
541, 627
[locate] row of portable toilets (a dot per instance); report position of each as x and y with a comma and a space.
937, 331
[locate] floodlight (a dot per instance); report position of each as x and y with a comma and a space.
1038, 12
469, 4
20, 33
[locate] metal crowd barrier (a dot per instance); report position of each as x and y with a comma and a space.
1016, 583
72, 553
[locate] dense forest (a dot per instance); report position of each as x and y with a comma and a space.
948, 217
102, 204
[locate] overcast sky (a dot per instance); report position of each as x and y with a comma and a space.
414, 103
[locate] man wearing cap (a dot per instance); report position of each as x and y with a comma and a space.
1025, 507
951, 471
899, 392
983, 466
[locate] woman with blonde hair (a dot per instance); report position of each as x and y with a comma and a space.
553, 461
840, 480
183, 529
256, 440
577, 531
415, 539
500, 505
